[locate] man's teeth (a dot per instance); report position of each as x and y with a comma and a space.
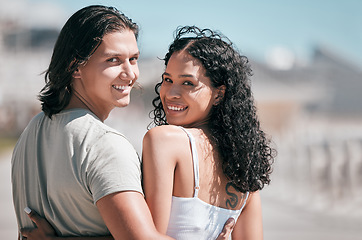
176, 108
120, 87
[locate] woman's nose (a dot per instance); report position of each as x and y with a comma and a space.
174, 91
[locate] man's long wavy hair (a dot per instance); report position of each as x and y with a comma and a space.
78, 40
233, 124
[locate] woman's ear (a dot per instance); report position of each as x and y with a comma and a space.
220, 92
76, 73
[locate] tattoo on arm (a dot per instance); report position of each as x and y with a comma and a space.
233, 200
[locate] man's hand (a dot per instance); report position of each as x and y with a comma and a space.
226, 231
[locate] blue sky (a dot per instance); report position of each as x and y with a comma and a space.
255, 26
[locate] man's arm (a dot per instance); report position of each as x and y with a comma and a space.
125, 213
139, 223
127, 216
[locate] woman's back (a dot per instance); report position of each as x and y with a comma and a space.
196, 218
201, 202
214, 188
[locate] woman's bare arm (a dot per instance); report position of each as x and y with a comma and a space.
158, 174
250, 222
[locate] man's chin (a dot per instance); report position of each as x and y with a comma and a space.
122, 104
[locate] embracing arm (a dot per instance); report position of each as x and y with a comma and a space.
45, 231
250, 222
125, 213
158, 175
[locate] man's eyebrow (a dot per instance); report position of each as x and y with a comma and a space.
114, 54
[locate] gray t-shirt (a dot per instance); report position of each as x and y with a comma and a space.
62, 166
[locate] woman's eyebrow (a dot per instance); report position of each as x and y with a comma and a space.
186, 76
180, 76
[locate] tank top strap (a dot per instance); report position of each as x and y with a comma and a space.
195, 160
246, 198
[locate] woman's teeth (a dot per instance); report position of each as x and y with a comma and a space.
176, 108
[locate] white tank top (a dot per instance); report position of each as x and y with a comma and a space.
192, 218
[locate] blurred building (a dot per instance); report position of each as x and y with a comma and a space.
314, 114
24, 55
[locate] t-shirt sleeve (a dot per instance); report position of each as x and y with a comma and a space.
114, 166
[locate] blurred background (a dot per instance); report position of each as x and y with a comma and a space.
307, 63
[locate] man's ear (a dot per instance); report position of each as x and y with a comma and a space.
220, 92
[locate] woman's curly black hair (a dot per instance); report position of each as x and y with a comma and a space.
234, 126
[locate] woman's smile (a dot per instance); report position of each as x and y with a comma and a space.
176, 108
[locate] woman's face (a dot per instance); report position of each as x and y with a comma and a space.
107, 78
186, 93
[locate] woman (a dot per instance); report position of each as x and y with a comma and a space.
212, 166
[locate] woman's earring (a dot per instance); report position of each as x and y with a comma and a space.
217, 100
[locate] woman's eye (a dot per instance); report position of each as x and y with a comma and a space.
188, 83
167, 80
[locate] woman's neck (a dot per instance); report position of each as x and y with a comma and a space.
202, 124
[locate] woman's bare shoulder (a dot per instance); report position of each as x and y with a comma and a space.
166, 133
165, 140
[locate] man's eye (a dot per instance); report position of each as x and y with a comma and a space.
112, 60
134, 59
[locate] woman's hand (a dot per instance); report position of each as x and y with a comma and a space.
44, 230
